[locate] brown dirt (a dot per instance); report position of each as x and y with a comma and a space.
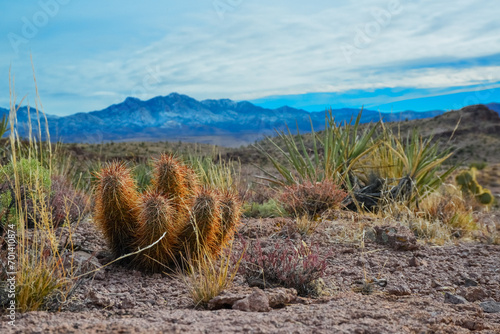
118, 300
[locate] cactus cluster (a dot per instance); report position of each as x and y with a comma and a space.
467, 182
195, 219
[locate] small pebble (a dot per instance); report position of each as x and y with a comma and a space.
454, 299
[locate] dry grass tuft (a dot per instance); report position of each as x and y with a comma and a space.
39, 260
450, 208
206, 277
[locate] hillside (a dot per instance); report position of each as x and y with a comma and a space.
474, 132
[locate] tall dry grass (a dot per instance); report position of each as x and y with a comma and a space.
44, 272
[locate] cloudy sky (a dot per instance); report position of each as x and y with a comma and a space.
311, 54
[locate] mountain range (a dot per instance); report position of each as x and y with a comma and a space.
177, 117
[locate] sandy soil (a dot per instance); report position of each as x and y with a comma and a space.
118, 300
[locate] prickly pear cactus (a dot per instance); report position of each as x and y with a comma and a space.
467, 182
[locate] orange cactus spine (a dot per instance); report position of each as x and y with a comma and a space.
170, 180
201, 233
157, 217
230, 208
116, 210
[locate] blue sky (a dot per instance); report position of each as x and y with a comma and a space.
403, 54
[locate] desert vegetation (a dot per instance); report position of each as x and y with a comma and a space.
214, 218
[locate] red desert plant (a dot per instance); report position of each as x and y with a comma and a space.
66, 203
311, 199
283, 263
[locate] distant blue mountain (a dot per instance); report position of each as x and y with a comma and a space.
180, 117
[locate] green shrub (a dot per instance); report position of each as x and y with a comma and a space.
268, 209
34, 183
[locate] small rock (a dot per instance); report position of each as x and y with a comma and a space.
400, 290
471, 325
396, 237
464, 254
361, 261
470, 282
435, 284
127, 302
99, 300
256, 302
83, 263
224, 300
279, 297
414, 262
454, 299
476, 293
490, 306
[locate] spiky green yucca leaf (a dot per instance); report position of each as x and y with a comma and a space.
421, 160
343, 145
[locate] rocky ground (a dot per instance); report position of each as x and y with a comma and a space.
430, 289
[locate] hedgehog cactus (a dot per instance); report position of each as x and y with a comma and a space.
467, 182
204, 225
194, 219
117, 207
157, 216
230, 208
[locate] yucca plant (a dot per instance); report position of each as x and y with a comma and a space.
334, 154
418, 159
355, 157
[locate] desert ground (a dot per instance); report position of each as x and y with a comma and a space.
429, 289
